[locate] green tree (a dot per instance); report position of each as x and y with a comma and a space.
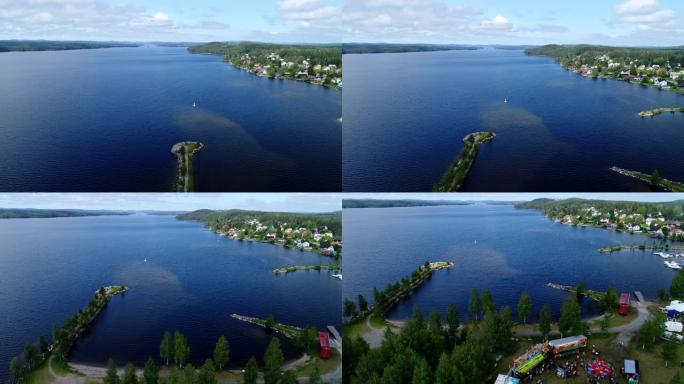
42, 345
570, 321
434, 322
181, 350
349, 308
669, 352
221, 352
354, 350
363, 304
677, 285
662, 295
166, 348
189, 374
129, 376
445, 372
15, 369
487, 301
151, 372
251, 373
475, 306
315, 376
453, 321
207, 373
611, 300
656, 179
112, 377
30, 355
580, 290
288, 378
649, 333
422, 374
273, 361
269, 323
677, 379
524, 307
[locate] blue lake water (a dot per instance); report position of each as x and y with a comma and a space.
105, 120
497, 247
405, 116
193, 281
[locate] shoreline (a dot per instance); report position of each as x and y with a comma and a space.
667, 185
455, 176
184, 152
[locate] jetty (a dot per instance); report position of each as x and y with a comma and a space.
594, 295
294, 268
641, 247
666, 184
658, 111
423, 274
289, 331
455, 176
184, 151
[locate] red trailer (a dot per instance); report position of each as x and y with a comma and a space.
623, 309
324, 340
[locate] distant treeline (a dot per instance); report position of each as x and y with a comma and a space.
400, 48
323, 54
21, 213
646, 56
554, 208
373, 203
43, 45
238, 218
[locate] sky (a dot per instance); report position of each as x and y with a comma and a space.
172, 20
464, 196
272, 202
524, 22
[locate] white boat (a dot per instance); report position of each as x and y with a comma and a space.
662, 254
194, 105
505, 100
146, 259
337, 276
672, 265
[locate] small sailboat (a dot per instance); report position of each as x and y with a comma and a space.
194, 105
146, 259
506, 101
337, 276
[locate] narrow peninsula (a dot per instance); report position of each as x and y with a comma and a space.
453, 179
658, 111
184, 151
654, 179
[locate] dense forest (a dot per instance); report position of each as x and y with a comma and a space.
44, 45
647, 56
401, 48
239, 218
324, 54
22, 213
557, 208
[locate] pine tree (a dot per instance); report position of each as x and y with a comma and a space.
112, 377
221, 352
251, 373
273, 361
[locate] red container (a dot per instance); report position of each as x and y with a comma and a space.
324, 340
623, 309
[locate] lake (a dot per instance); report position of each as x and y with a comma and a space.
105, 120
497, 247
193, 280
405, 116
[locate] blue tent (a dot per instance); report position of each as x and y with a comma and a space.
673, 314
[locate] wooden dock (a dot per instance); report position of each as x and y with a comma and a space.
639, 297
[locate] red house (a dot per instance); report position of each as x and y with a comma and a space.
324, 340
623, 309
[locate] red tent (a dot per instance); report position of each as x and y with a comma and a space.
324, 340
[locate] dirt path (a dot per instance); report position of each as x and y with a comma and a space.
69, 378
625, 331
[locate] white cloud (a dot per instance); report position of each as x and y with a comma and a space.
96, 20
419, 21
644, 12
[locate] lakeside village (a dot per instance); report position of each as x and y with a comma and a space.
275, 66
655, 225
320, 240
666, 77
